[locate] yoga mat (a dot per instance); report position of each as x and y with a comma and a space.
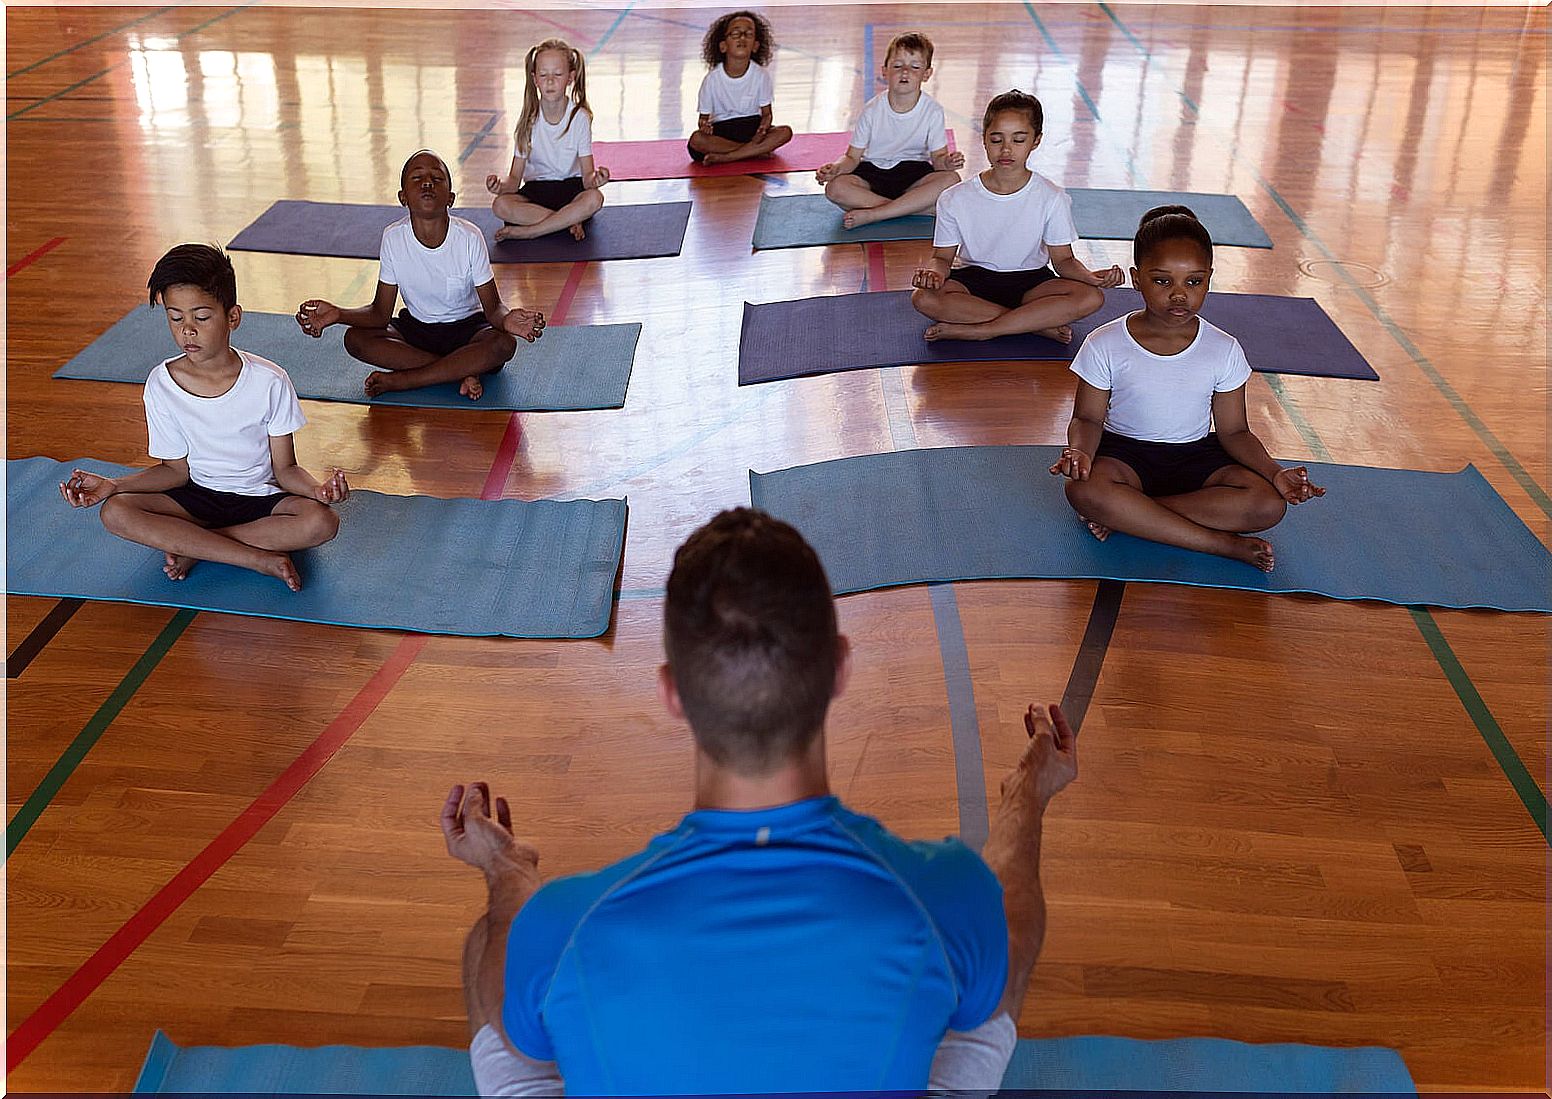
1106, 1065
970, 513
794, 339
801, 221
668, 158
570, 367
355, 231
514, 568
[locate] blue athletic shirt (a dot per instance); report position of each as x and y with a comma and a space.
800, 948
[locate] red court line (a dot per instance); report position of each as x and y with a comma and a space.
96, 969
877, 280
34, 256
506, 453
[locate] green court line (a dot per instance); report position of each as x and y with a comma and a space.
65, 766
94, 38
1514, 768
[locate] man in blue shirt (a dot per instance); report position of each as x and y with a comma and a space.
774, 941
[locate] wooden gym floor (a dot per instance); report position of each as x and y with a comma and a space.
1297, 819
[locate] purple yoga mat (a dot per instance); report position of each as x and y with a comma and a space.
355, 231
793, 339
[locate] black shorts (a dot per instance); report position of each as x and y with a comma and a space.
1167, 469
552, 194
214, 508
893, 182
1004, 288
740, 130
438, 338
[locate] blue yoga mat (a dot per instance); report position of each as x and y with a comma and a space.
827, 335
355, 231
569, 368
801, 221
515, 568
969, 513
1099, 1066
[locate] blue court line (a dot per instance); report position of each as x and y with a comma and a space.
608, 34
1456, 401
120, 64
94, 38
701, 27
479, 136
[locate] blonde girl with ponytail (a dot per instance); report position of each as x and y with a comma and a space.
552, 184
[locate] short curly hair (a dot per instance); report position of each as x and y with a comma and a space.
711, 45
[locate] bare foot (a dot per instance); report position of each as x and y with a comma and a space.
855, 219
376, 382
1062, 333
177, 565
577, 232
1097, 529
280, 567
472, 388
946, 330
507, 232
1252, 551
713, 158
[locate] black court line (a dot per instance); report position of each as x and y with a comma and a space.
94, 38
1091, 652
41, 635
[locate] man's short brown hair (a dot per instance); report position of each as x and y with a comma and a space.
749, 627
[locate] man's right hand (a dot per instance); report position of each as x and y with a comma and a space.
1051, 760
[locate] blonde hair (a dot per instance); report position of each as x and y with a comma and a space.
525, 122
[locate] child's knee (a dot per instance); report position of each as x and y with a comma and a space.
323, 522
116, 513
835, 189
501, 347
1080, 494
782, 134
926, 302
1266, 510
1091, 299
592, 201
355, 343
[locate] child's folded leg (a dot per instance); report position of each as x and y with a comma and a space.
486, 352
385, 348
569, 216
1048, 309
152, 519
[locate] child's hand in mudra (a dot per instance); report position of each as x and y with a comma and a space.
1110, 277
827, 172
525, 324
1294, 485
927, 278
600, 177
85, 490
334, 489
1073, 464
493, 183
954, 161
314, 316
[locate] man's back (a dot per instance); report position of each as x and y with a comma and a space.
801, 948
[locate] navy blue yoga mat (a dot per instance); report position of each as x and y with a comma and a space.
794, 339
966, 513
568, 368
355, 231
1098, 1066
515, 568
800, 221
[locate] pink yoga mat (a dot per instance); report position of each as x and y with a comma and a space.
669, 159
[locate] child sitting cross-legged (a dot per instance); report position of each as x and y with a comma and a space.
735, 96
1160, 446
226, 486
454, 327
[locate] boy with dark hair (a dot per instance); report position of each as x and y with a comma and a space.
226, 486
898, 161
774, 941
453, 327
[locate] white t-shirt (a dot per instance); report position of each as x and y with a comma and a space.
722, 97
1161, 398
437, 283
887, 137
556, 149
1004, 232
225, 438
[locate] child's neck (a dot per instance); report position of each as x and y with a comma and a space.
1158, 337
431, 231
553, 112
901, 102
1006, 181
735, 67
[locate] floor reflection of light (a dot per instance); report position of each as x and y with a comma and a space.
161, 87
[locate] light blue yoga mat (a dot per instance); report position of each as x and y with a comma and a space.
967, 513
1098, 1065
800, 221
515, 568
569, 368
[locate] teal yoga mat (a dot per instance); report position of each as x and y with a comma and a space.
801, 221
1079, 1066
966, 513
514, 568
569, 368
